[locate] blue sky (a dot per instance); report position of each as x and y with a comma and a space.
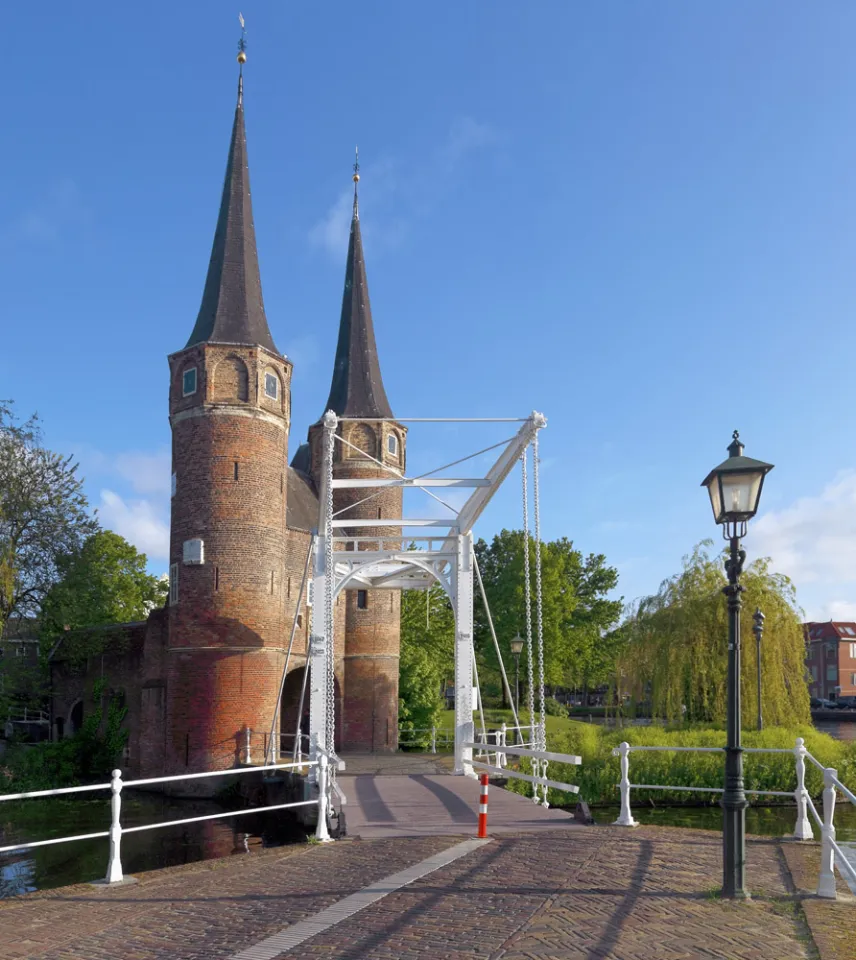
638, 218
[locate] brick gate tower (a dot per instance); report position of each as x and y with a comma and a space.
229, 412
372, 617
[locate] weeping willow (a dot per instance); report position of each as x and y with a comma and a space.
676, 657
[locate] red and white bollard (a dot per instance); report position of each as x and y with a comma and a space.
483, 808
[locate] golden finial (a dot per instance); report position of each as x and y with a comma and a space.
242, 43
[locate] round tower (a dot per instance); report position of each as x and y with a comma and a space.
375, 446
229, 413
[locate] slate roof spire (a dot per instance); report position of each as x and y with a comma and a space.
357, 386
232, 309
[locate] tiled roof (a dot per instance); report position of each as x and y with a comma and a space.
831, 630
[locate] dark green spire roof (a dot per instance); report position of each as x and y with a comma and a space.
357, 387
232, 309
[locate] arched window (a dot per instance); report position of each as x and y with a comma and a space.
392, 444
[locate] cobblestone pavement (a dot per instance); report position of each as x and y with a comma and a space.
601, 893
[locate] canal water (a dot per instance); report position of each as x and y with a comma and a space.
86, 860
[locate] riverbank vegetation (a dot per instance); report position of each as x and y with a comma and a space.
599, 773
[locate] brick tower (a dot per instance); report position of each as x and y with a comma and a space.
229, 412
372, 617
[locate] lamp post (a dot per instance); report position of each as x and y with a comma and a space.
735, 490
758, 630
516, 648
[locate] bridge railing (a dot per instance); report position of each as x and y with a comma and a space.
539, 758
116, 831
831, 853
434, 737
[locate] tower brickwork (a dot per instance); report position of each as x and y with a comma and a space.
230, 605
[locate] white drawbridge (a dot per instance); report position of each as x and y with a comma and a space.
412, 554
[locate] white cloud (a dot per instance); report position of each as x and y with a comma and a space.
841, 610
396, 199
148, 473
141, 522
814, 539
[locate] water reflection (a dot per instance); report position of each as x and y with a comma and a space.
86, 860
840, 729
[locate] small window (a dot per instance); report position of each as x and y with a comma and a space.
832, 673
173, 584
272, 581
188, 382
392, 444
216, 578
853, 651
853, 679
173, 485
362, 600
299, 621
271, 386
236, 469
814, 674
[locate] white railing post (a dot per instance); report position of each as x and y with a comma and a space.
321, 833
248, 737
433, 739
503, 738
114, 864
625, 818
802, 830
826, 881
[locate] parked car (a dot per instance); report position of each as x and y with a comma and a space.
846, 703
818, 703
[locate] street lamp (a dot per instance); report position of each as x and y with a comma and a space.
516, 648
735, 489
758, 630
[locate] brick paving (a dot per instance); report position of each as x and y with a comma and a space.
602, 893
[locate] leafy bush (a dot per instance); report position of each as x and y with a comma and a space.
553, 708
599, 773
87, 757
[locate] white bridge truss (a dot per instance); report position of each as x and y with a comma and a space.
344, 559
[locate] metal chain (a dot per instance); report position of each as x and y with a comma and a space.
539, 608
530, 687
329, 432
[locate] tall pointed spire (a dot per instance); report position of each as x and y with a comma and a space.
232, 309
357, 386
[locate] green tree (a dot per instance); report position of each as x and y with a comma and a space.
676, 653
577, 612
44, 516
104, 582
427, 657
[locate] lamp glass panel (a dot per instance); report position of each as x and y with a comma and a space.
516, 646
740, 493
715, 499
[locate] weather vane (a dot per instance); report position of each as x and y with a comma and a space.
242, 43
356, 179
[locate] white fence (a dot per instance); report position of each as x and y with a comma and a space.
539, 758
434, 737
831, 853
114, 864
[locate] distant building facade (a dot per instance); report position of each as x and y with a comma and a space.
831, 659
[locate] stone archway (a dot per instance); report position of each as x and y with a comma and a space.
289, 706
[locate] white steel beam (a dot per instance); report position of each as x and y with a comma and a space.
464, 730
352, 484
473, 508
403, 522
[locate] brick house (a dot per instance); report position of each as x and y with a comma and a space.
831, 659
209, 665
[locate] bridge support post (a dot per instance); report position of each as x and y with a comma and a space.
826, 880
802, 830
114, 865
464, 729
